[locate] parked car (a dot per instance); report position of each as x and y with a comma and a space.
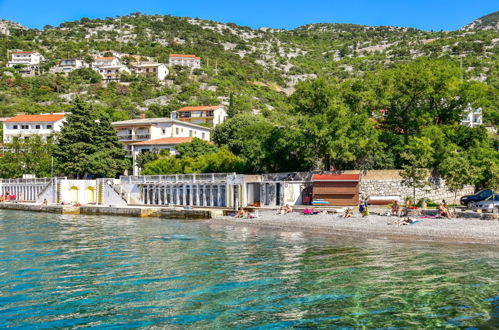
489, 205
471, 200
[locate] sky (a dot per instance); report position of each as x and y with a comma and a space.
422, 14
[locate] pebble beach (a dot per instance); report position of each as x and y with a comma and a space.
455, 230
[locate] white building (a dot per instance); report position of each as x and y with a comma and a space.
26, 126
191, 61
158, 70
29, 62
472, 117
112, 72
68, 65
142, 135
204, 114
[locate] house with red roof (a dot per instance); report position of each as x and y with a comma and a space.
26, 126
191, 61
156, 134
211, 115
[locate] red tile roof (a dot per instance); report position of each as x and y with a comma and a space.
182, 55
201, 107
175, 140
336, 177
104, 58
24, 52
48, 118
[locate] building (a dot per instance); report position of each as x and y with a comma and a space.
211, 115
105, 61
112, 72
472, 117
158, 70
26, 126
68, 65
191, 61
27, 61
148, 134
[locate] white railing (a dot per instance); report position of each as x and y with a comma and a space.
36, 181
177, 178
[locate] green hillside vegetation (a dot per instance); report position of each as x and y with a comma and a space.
332, 119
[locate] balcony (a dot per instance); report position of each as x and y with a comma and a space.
138, 137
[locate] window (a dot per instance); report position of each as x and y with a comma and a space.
24, 126
203, 135
190, 133
37, 126
163, 130
14, 127
49, 126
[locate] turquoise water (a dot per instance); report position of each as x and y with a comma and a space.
101, 272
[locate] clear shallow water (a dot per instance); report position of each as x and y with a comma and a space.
94, 271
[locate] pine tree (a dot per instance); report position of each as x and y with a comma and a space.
88, 145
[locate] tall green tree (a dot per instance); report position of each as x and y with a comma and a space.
417, 157
88, 145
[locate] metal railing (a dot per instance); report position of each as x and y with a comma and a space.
36, 181
134, 137
177, 178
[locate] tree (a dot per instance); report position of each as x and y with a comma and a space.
457, 172
422, 93
195, 148
85, 75
417, 157
32, 156
88, 145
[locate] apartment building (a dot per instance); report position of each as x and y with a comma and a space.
158, 70
472, 117
27, 61
26, 126
211, 115
191, 61
142, 135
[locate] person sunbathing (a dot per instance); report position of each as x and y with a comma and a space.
348, 213
288, 209
241, 213
281, 210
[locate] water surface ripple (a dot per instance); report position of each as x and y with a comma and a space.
101, 272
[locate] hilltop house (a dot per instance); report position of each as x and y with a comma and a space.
147, 134
109, 68
28, 62
157, 70
26, 126
190, 61
211, 115
68, 65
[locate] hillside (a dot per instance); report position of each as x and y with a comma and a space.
258, 67
487, 22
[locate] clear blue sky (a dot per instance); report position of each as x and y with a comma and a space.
422, 14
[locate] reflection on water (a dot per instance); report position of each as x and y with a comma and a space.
69, 271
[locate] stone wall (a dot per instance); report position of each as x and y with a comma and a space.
435, 192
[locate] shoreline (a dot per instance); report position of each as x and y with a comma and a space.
456, 231
426, 229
